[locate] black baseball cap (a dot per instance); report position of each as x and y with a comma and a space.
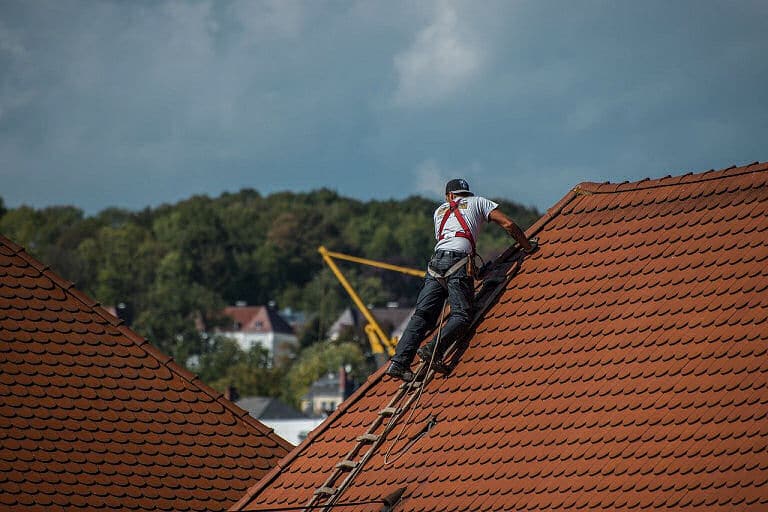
458, 186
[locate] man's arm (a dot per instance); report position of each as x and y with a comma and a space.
510, 227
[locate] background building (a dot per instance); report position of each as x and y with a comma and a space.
287, 422
260, 326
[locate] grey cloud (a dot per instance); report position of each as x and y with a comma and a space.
138, 103
443, 59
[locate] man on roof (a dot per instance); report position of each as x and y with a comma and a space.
449, 276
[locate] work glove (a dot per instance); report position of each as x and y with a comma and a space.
534, 246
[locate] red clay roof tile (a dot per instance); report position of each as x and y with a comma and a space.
622, 367
94, 417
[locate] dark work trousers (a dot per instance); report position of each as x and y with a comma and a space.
460, 292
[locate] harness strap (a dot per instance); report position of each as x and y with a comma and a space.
453, 208
448, 273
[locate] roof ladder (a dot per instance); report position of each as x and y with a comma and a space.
406, 393
372, 439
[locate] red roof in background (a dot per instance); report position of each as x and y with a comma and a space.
262, 319
624, 366
92, 417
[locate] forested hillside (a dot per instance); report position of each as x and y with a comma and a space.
179, 263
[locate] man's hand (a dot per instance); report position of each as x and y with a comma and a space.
534, 242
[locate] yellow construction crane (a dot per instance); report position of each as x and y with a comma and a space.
381, 344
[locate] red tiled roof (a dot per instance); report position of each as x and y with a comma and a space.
256, 319
623, 367
92, 417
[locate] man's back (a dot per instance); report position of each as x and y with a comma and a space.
475, 211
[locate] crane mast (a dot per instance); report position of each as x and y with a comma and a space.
381, 344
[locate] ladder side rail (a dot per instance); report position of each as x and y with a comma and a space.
402, 391
374, 447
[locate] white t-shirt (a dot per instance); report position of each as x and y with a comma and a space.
475, 211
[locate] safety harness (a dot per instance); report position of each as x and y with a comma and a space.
453, 208
469, 259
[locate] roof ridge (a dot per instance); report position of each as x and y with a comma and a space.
607, 187
70, 289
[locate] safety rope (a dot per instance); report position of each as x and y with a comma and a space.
395, 417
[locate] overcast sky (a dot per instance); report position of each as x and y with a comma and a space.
138, 103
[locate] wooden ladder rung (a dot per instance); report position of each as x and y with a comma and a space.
347, 465
367, 438
388, 411
326, 490
413, 385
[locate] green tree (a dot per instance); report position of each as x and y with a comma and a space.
126, 258
51, 234
220, 355
249, 372
178, 310
195, 231
179, 264
311, 333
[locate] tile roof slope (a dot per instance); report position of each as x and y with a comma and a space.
93, 417
623, 367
